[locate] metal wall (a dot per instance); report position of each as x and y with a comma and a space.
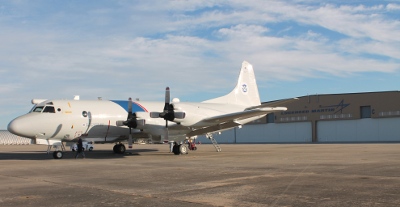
361, 130
6, 138
298, 132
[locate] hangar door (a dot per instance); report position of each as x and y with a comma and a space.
361, 130
299, 132
275, 133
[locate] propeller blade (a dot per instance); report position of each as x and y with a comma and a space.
130, 141
130, 105
167, 99
166, 134
167, 95
179, 115
154, 115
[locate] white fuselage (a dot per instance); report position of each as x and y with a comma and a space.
67, 120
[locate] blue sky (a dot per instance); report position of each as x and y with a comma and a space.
120, 49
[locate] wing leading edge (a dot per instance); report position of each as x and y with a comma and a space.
227, 121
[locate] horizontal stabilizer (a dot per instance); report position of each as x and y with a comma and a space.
275, 103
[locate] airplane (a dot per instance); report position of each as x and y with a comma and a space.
52, 122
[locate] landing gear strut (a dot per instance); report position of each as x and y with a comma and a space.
119, 148
57, 154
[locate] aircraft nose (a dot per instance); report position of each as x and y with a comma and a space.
20, 127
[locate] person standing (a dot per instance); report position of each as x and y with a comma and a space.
80, 149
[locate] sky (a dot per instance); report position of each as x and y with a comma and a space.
120, 49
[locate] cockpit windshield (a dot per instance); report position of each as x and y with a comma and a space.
49, 109
44, 109
38, 109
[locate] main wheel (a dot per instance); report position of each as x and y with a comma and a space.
183, 149
176, 150
57, 154
122, 149
119, 149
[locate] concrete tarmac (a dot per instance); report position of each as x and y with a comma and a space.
240, 175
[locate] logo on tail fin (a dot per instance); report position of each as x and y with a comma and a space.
244, 88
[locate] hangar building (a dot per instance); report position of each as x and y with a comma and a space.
6, 138
329, 118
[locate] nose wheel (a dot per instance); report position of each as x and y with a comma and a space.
58, 154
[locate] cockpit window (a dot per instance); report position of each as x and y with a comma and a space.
38, 109
44, 109
49, 109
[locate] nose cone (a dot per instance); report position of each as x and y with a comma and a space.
20, 127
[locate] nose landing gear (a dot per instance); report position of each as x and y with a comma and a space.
58, 152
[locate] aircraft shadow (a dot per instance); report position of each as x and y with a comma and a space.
42, 155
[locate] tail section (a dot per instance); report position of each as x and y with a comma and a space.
246, 91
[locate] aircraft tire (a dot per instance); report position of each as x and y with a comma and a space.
119, 149
176, 150
57, 154
183, 149
122, 149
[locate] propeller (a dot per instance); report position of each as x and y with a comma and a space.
168, 113
131, 121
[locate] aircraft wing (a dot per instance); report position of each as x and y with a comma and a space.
227, 121
243, 114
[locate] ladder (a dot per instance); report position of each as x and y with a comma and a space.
214, 142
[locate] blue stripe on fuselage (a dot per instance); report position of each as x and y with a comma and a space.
124, 105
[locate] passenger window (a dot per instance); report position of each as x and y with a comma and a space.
49, 109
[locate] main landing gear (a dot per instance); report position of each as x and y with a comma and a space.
180, 149
119, 148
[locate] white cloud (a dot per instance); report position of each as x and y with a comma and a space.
117, 50
392, 6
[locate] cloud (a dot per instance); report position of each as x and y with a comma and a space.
117, 50
392, 6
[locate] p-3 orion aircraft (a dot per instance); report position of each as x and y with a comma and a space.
52, 122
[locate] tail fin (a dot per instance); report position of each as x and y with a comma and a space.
246, 91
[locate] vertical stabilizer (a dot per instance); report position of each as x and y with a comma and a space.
246, 91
